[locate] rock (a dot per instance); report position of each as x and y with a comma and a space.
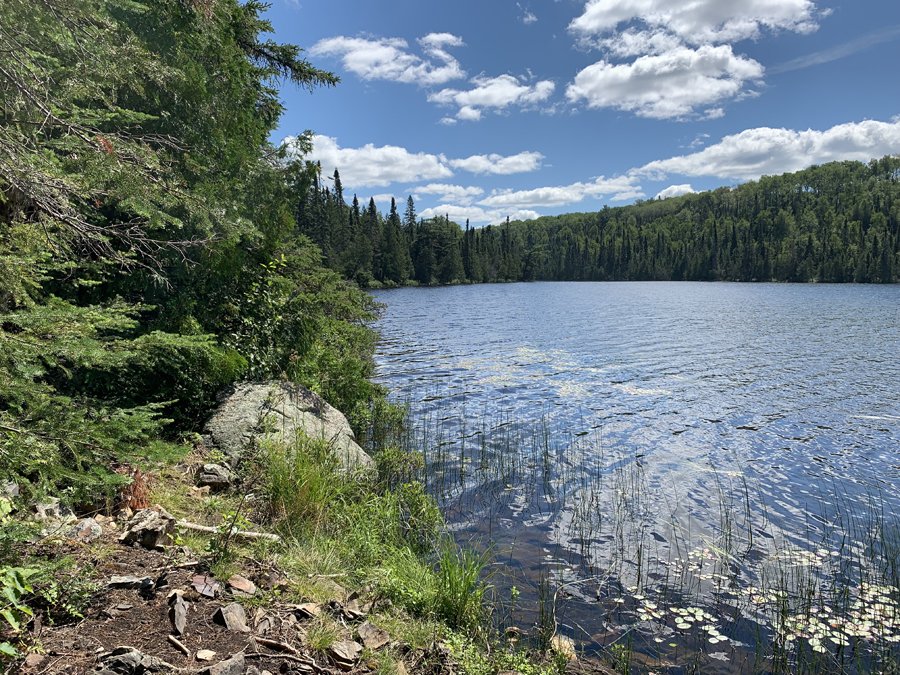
565, 646
198, 492
130, 581
401, 668
130, 661
52, 510
151, 528
345, 653
205, 586
308, 610
85, 531
352, 610
372, 636
34, 660
233, 666
178, 614
124, 607
215, 477
241, 586
206, 655
273, 582
232, 617
279, 409
8, 489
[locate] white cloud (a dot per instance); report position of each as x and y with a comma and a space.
497, 93
369, 166
475, 214
389, 58
447, 121
450, 193
699, 21
675, 191
621, 187
667, 85
527, 17
767, 151
498, 164
841, 51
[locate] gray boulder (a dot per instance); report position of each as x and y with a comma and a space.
152, 528
216, 476
252, 412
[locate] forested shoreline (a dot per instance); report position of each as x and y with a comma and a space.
838, 222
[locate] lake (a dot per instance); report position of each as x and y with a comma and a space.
729, 448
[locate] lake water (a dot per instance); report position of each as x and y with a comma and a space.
611, 437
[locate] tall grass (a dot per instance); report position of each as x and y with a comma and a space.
682, 582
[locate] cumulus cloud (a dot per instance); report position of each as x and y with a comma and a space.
666, 85
621, 188
498, 164
492, 93
675, 191
450, 193
678, 53
390, 59
369, 166
767, 151
474, 214
699, 21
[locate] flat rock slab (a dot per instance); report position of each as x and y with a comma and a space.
206, 655
252, 411
232, 617
233, 666
178, 614
130, 661
205, 586
345, 653
372, 636
241, 586
130, 581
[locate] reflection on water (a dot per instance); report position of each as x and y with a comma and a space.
647, 423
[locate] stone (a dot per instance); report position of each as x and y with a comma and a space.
345, 653
85, 531
252, 411
308, 610
130, 581
8, 489
215, 477
233, 666
206, 655
564, 646
151, 528
34, 660
372, 636
352, 610
178, 614
52, 510
198, 492
205, 586
232, 617
130, 661
241, 586
124, 607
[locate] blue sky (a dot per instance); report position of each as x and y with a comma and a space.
494, 108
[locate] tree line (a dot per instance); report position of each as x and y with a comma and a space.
838, 222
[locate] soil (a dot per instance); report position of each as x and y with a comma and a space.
119, 617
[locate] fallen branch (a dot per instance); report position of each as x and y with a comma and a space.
287, 657
245, 535
274, 644
179, 646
